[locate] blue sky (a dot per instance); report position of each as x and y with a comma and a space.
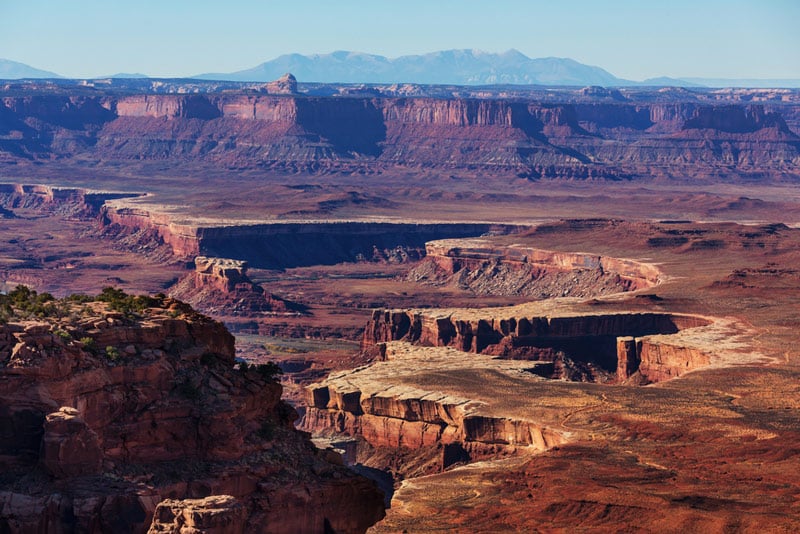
631, 39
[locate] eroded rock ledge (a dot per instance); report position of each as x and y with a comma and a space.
374, 402
67, 200
483, 267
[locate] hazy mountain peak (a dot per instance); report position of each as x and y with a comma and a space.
514, 53
463, 66
126, 75
14, 70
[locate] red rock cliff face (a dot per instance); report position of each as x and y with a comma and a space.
168, 106
182, 239
96, 434
602, 336
575, 140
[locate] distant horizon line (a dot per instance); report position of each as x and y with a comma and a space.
702, 80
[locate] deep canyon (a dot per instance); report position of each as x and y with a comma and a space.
492, 309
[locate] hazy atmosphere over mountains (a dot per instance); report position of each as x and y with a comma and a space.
468, 67
13, 70
458, 67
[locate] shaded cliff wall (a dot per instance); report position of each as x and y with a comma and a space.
298, 244
475, 335
283, 245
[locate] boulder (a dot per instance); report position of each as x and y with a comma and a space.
217, 514
69, 447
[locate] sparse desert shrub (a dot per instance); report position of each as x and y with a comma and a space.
112, 353
63, 334
268, 371
25, 303
78, 298
128, 305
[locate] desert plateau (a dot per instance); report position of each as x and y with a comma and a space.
293, 306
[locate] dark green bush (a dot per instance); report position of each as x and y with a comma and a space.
267, 430
63, 334
23, 302
188, 390
112, 353
268, 371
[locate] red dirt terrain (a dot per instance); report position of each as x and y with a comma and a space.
531, 310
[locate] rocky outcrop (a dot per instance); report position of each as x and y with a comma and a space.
593, 137
69, 447
220, 273
220, 514
221, 286
661, 360
285, 85
106, 412
479, 266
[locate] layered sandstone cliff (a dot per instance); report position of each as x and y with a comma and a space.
109, 407
381, 404
150, 225
530, 137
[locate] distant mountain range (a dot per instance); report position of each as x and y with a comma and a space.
13, 70
447, 67
456, 67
